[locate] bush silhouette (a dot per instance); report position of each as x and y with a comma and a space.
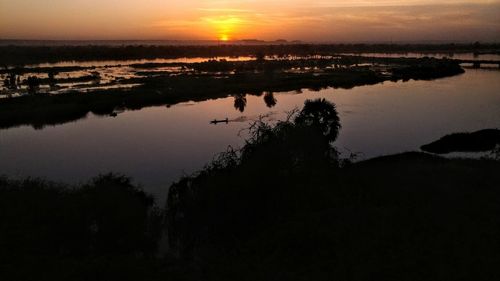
269, 153
33, 84
107, 216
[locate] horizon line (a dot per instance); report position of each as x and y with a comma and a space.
254, 40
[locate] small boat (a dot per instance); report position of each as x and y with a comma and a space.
215, 121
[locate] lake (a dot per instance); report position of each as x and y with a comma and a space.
158, 145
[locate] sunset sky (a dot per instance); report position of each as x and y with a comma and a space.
308, 20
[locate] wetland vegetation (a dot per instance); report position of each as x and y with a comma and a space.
201, 81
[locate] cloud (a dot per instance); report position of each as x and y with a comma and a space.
396, 3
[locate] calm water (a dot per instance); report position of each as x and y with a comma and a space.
158, 145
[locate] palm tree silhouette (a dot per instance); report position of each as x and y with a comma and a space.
321, 114
240, 102
269, 99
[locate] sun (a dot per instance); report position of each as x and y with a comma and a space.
225, 27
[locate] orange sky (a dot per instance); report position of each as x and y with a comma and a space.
309, 20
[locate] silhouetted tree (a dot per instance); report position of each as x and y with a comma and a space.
33, 84
96, 76
52, 80
121, 215
12, 81
240, 102
269, 99
322, 115
260, 56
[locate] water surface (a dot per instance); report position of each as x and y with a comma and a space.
158, 145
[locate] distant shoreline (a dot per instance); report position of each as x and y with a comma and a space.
31, 52
173, 42
21, 42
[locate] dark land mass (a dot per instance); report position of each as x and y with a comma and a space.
23, 55
484, 140
403, 217
24, 70
284, 207
216, 79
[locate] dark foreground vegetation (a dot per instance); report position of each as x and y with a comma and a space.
216, 79
404, 217
284, 207
55, 231
22, 55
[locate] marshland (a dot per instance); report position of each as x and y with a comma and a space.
250, 159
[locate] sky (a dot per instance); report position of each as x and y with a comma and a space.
306, 20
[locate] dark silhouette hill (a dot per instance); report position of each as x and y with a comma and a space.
483, 140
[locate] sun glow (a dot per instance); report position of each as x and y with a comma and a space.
226, 27
306, 20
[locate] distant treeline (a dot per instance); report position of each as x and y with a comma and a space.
19, 55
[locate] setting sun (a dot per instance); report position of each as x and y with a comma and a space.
225, 27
